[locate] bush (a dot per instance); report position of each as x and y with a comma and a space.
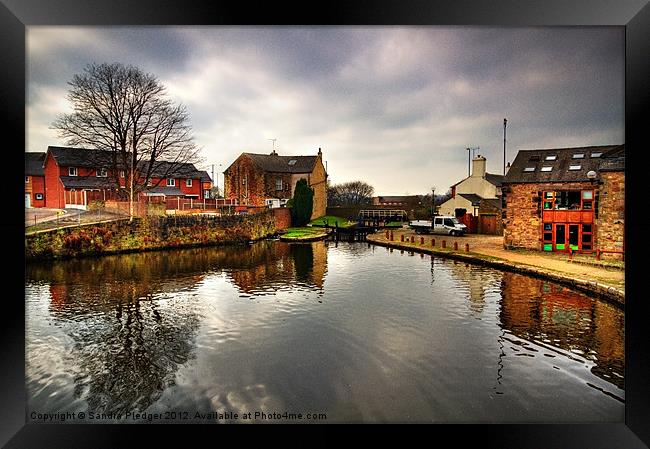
302, 203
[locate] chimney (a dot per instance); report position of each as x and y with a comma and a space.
478, 167
320, 153
273, 153
507, 168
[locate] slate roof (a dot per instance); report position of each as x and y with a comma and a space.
205, 177
89, 158
34, 164
472, 197
280, 164
611, 156
164, 190
87, 182
492, 178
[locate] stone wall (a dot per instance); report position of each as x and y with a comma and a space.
150, 233
523, 212
610, 229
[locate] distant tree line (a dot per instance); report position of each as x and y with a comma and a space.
353, 193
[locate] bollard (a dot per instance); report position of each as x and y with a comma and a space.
455, 246
412, 239
387, 235
402, 237
391, 236
433, 242
466, 247
444, 244
421, 240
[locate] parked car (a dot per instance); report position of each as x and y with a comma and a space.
442, 224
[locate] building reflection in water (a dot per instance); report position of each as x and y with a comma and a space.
274, 266
540, 311
131, 318
547, 314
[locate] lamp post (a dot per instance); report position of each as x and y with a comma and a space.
433, 202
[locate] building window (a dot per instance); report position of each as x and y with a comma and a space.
39, 196
102, 173
578, 156
547, 168
171, 182
575, 167
292, 162
551, 157
122, 174
597, 154
587, 236
529, 169
534, 158
569, 200
26, 179
72, 171
278, 184
188, 182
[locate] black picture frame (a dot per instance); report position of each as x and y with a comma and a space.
634, 15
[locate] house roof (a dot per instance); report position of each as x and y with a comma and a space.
87, 182
90, 158
472, 197
205, 177
164, 190
527, 166
34, 164
281, 164
492, 178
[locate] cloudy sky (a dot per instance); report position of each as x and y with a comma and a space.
393, 106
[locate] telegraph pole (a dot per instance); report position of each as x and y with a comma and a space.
273, 143
504, 145
213, 177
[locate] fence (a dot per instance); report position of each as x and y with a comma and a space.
179, 203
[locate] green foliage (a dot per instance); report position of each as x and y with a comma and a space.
302, 203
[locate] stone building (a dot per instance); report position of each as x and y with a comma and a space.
269, 180
476, 200
566, 199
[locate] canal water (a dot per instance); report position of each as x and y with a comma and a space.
344, 332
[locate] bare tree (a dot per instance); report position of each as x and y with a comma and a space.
126, 113
350, 193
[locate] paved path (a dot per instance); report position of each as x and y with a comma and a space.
584, 269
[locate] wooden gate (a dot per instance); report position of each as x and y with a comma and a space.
487, 224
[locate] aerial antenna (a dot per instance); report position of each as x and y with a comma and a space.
273, 143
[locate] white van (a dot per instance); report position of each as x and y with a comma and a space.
442, 224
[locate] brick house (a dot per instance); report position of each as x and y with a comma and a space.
206, 184
34, 180
476, 200
269, 180
74, 177
566, 199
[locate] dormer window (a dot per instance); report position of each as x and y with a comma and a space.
529, 169
171, 182
575, 167
102, 173
551, 157
578, 156
188, 182
292, 162
534, 157
72, 171
547, 168
596, 154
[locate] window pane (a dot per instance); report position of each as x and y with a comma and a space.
586, 246
586, 238
548, 194
587, 194
548, 205
548, 226
548, 236
586, 228
586, 205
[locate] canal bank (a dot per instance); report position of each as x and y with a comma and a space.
148, 234
606, 281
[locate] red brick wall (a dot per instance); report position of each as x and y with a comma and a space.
282, 218
38, 186
253, 192
611, 213
53, 187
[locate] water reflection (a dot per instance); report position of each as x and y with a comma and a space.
395, 337
555, 316
271, 266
